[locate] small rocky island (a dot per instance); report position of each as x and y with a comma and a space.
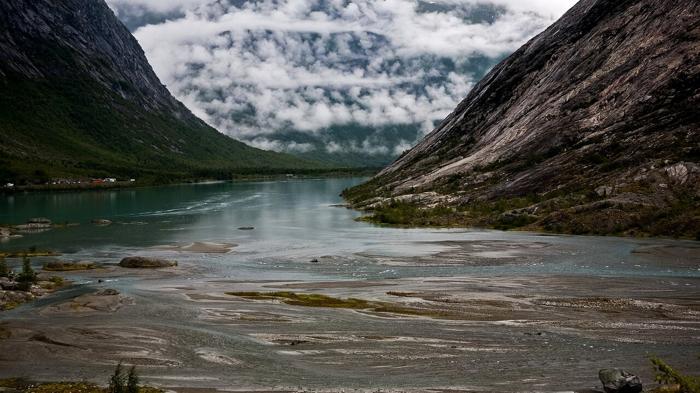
24, 286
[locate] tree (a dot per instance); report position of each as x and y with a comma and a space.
4, 270
27, 277
116, 382
132, 381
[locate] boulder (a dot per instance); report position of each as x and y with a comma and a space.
7, 284
678, 173
146, 263
5, 232
619, 381
101, 221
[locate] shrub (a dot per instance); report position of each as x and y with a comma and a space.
27, 277
668, 376
117, 381
4, 270
132, 381
122, 382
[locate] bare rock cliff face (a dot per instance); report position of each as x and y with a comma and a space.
606, 99
53, 39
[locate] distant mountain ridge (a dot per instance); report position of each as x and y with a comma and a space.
591, 127
78, 98
360, 133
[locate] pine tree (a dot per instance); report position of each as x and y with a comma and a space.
28, 276
132, 381
4, 270
116, 382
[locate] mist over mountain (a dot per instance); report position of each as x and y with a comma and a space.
355, 83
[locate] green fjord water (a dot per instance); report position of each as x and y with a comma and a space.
296, 221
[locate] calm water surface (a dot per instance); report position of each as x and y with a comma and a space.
295, 221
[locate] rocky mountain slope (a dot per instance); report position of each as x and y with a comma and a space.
78, 98
591, 127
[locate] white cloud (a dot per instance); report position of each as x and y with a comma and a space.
272, 65
275, 145
157, 6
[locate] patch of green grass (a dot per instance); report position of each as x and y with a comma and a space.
318, 300
680, 383
28, 253
9, 306
73, 126
68, 266
14, 383
66, 387
400, 213
304, 299
24, 386
54, 282
579, 212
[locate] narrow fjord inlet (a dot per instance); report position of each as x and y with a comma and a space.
204, 196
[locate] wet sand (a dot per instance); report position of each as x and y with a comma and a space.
508, 333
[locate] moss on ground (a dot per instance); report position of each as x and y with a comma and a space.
318, 300
673, 381
25, 386
576, 213
69, 266
306, 300
28, 253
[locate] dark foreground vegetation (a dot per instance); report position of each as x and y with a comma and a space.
674, 213
45, 180
122, 381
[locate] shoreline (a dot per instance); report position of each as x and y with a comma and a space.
414, 220
236, 177
368, 218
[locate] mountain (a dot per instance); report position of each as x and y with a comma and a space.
79, 98
346, 83
591, 127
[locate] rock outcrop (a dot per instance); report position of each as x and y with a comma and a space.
619, 381
146, 263
597, 114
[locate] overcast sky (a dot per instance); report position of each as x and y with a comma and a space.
253, 68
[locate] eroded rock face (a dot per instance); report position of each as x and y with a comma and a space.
619, 381
146, 263
603, 102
